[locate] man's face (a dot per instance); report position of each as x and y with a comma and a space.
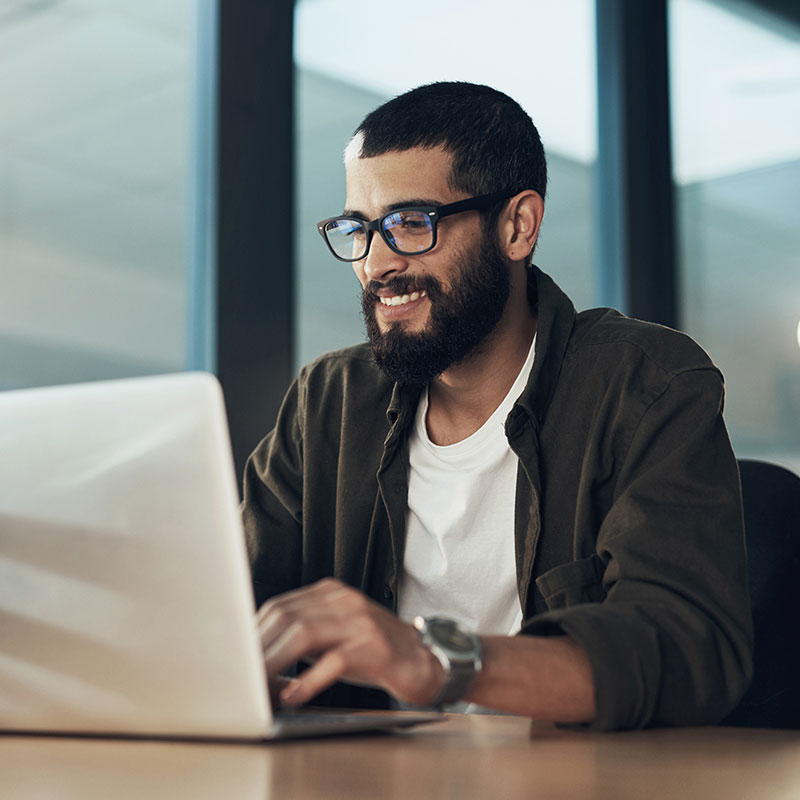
424, 313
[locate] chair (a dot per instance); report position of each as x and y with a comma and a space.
771, 499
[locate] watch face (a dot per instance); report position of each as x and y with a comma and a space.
447, 633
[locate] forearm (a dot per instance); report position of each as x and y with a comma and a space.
351, 638
542, 677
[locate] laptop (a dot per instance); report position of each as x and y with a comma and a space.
125, 597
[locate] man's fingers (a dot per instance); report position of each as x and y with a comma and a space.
305, 597
350, 637
276, 685
300, 639
327, 598
324, 673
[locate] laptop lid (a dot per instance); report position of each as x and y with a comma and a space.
125, 600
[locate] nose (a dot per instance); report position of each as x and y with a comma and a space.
381, 262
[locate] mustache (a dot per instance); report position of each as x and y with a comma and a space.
404, 285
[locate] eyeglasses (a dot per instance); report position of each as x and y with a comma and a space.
407, 231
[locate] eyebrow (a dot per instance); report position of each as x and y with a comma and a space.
409, 203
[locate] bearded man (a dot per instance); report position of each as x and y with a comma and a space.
496, 502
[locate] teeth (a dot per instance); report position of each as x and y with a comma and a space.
401, 300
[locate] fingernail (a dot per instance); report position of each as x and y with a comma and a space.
289, 691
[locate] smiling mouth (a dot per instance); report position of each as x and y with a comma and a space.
402, 299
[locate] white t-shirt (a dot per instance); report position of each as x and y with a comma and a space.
459, 557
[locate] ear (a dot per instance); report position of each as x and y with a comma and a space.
519, 224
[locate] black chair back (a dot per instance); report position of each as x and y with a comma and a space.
771, 499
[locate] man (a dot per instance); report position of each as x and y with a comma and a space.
493, 464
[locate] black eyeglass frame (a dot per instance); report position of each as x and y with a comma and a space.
434, 213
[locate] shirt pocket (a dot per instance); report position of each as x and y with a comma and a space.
573, 583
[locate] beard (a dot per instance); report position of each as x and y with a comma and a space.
460, 319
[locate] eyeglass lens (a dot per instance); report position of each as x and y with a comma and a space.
406, 231
347, 238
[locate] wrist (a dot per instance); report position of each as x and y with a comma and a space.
458, 653
436, 678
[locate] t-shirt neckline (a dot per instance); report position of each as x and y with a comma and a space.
480, 438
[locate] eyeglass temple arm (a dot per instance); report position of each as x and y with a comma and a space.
474, 203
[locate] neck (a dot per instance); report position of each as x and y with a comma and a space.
468, 393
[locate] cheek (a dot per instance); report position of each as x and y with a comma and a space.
358, 269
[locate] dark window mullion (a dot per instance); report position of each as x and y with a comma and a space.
255, 210
636, 198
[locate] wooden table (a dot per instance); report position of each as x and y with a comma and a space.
464, 757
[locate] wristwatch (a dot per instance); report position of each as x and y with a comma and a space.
458, 651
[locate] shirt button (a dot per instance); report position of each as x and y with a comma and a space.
387, 593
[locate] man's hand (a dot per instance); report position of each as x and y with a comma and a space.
349, 638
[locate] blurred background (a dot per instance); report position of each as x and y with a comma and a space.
162, 167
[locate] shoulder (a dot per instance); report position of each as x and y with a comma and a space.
607, 337
340, 361
344, 380
349, 363
604, 341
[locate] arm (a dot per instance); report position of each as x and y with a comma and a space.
356, 640
671, 641
272, 506
542, 677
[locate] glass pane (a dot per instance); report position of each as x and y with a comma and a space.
97, 100
351, 57
736, 122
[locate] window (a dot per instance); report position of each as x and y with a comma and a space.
96, 158
736, 124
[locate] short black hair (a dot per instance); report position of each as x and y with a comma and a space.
494, 144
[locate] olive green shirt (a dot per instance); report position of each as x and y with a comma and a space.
628, 522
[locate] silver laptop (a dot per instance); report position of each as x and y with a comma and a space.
125, 599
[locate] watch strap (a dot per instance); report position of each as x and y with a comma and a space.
460, 669
458, 679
